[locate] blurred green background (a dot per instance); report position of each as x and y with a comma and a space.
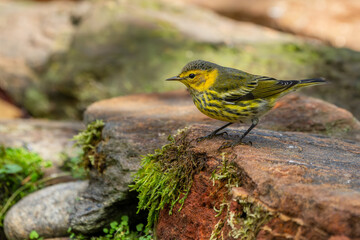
73, 53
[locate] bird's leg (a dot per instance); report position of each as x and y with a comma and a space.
214, 133
254, 122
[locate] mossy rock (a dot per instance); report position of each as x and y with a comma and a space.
129, 47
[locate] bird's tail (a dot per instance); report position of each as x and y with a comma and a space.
311, 81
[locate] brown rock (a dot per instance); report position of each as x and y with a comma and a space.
309, 184
308, 18
301, 179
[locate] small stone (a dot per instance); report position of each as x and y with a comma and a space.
45, 211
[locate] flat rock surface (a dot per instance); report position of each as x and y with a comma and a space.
46, 211
291, 113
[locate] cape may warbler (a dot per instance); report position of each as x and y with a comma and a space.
231, 95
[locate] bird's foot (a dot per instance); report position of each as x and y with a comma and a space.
211, 135
233, 144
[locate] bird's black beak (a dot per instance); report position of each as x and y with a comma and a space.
176, 78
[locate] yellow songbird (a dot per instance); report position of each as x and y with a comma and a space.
231, 95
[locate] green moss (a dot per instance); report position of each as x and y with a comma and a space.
166, 176
88, 140
244, 224
20, 174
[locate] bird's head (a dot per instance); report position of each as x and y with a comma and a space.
198, 75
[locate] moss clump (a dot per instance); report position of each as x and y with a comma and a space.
88, 140
244, 224
20, 174
166, 176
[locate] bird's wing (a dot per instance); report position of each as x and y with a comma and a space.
268, 87
238, 86
258, 87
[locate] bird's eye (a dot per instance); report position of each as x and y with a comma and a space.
191, 75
